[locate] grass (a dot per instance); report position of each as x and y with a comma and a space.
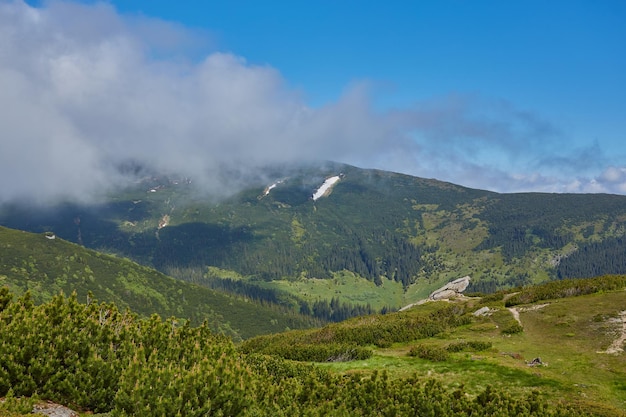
567, 335
48, 266
575, 339
346, 286
474, 372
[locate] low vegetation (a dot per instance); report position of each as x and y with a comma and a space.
560, 347
100, 359
356, 335
48, 266
567, 288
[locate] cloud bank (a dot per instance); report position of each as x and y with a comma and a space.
84, 90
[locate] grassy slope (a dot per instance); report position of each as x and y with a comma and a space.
46, 266
346, 286
568, 334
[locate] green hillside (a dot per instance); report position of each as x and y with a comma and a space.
376, 238
564, 357
47, 265
569, 343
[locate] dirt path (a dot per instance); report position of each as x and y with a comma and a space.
516, 310
618, 344
515, 313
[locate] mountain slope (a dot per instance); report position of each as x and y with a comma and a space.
100, 360
403, 234
568, 342
46, 265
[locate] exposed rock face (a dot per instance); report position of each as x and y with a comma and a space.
483, 311
452, 289
54, 410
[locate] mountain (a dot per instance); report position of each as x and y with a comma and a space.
343, 234
46, 265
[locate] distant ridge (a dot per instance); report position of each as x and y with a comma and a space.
391, 238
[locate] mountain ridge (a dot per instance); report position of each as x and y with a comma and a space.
378, 226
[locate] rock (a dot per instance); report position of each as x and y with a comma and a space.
54, 410
481, 312
536, 362
451, 289
444, 294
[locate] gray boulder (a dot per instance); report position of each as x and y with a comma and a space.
452, 289
483, 311
51, 409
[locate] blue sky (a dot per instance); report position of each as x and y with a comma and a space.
501, 95
557, 57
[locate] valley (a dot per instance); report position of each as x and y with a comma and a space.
379, 238
298, 292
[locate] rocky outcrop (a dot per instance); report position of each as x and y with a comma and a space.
482, 312
54, 410
452, 289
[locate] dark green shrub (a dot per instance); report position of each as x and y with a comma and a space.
382, 343
567, 288
432, 353
492, 298
479, 346
330, 352
513, 329
19, 406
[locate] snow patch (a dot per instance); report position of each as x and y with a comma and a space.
325, 189
271, 187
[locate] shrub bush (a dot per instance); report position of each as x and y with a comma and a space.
567, 288
97, 359
471, 345
432, 353
513, 329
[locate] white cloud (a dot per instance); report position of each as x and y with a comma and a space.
613, 180
85, 89
614, 175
